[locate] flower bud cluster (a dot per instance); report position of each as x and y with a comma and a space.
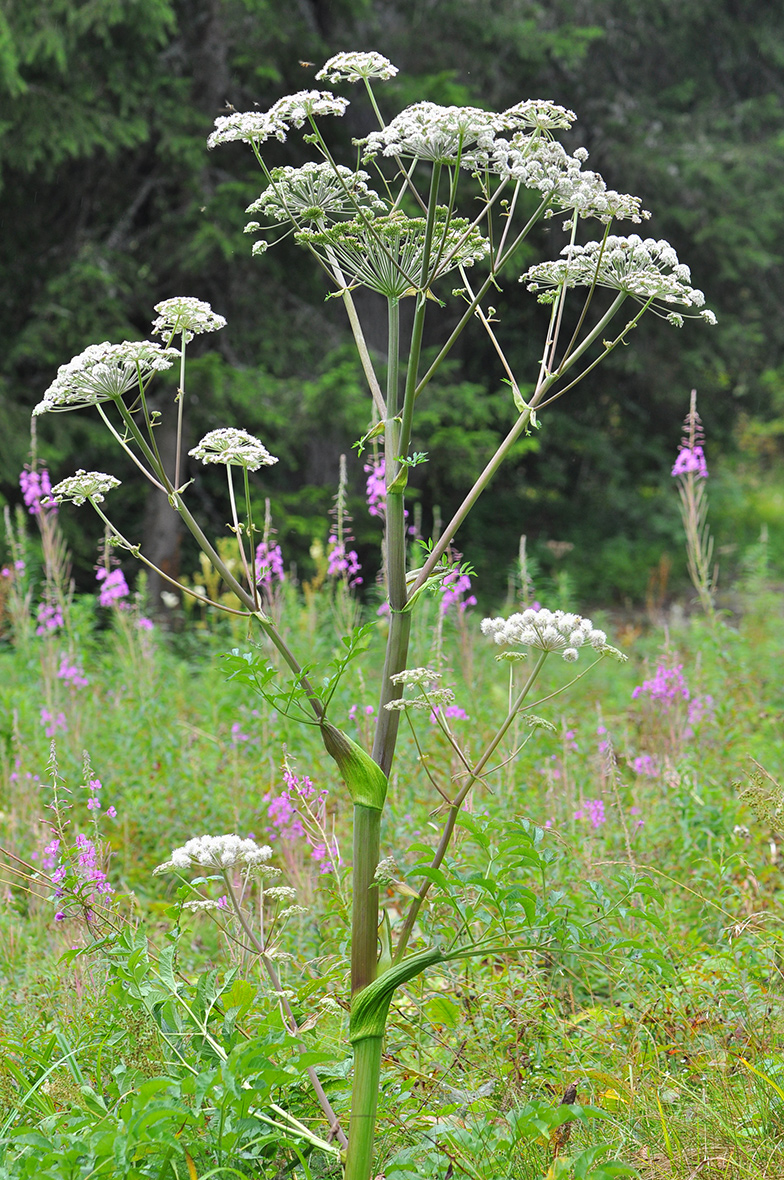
219, 852
556, 631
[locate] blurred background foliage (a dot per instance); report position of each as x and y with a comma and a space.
110, 202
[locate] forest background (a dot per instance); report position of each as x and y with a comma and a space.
110, 202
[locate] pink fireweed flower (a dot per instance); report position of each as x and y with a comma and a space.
36, 486
593, 810
53, 722
50, 618
368, 710
342, 563
144, 624
71, 674
376, 488
645, 765
453, 711
666, 685
691, 459
453, 590
111, 812
93, 803
114, 586
269, 564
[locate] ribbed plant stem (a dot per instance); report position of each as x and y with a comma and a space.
364, 1101
364, 905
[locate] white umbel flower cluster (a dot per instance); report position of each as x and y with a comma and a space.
293, 110
85, 485
353, 67
429, 697
550, 631
416, 676
539, 113
432, 132
387, 253
218, 852
544, 164
315, 194
233, 447
184, 314
645, 269
104, 372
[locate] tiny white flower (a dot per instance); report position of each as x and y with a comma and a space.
85, 485
233, 447
353, 67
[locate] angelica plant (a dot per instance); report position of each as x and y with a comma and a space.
443, 203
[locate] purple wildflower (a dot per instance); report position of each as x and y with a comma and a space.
269, 564
666, 685
448, 711
691, 459
36, 486
453, 590
53, 722
593, 810
71, 674
50, 618
376, 488
114, 586
111, 812
342, 563
645, 765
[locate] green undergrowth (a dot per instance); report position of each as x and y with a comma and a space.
623, 869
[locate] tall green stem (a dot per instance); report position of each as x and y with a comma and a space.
364, 902
364, 1102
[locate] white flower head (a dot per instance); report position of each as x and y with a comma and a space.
233, 447
541, 163
104, 372
540, 114
315, 194
645, 269
218, 852
353, 67
545, 630
416, 676
432, 132
293, 110
85, 485
184, 314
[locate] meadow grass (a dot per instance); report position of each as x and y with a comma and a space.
665, 1007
